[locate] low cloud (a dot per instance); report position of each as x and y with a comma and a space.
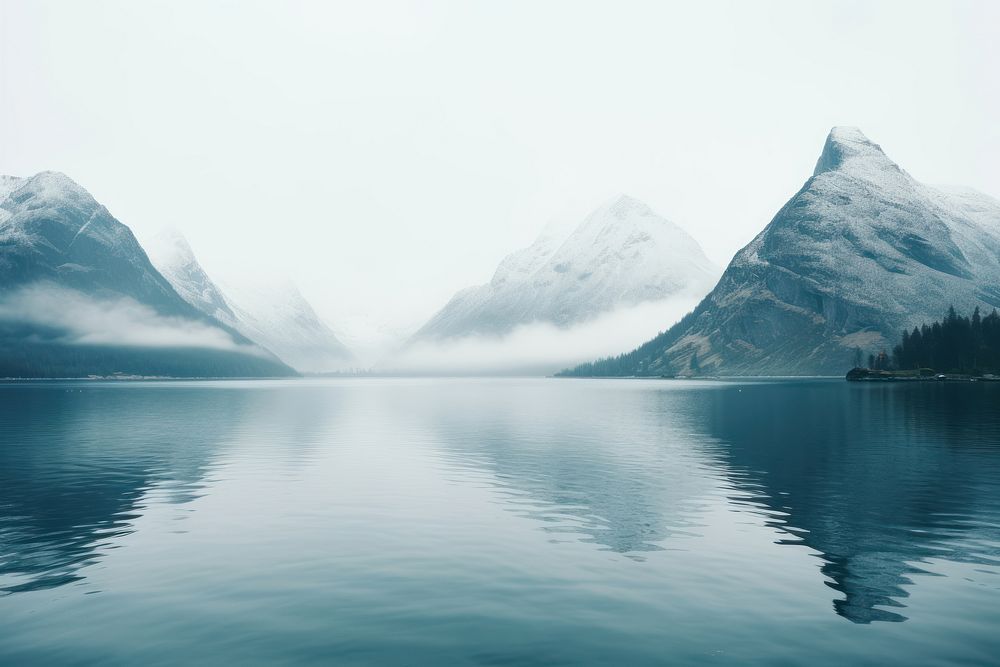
542, 348
122, 321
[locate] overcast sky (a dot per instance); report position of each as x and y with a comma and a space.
386, 154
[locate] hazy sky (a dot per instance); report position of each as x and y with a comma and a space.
386, 154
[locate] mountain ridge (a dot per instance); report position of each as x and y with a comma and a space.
859, 253
275, 316
78, 293
622, 254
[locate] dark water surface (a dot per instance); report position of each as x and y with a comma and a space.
499, 522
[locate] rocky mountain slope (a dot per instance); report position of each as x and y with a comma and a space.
276, 315
272, 314
79, 296
861, 252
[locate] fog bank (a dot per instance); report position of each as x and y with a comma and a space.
541, 348
119, 321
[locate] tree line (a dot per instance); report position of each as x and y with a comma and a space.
956, 344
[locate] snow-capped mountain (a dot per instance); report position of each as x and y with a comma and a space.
276, 315
273, 314
621, 255
52, 229
861, 252
173, 257
79, 296
7, 185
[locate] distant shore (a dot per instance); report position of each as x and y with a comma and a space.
921, 375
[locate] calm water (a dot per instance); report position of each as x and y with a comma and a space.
499, 522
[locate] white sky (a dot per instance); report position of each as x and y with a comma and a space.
385, 154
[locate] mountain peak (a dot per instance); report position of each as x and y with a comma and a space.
848, 134
849, 144
55, 180
171, 237
8, 184
169, 247
50, 186
624, 204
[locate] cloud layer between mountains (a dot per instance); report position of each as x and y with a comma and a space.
118, 321
541, 347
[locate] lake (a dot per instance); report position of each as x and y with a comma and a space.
499, 522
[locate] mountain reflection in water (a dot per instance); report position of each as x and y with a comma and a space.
654, 500
878, 478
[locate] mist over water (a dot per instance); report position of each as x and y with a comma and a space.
473, 521
541, 348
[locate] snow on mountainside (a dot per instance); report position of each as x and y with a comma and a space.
621, 255
7, 185
54, 230
79, 296
274, 315
861, 252
172, 255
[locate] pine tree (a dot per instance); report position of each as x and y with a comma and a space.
955, 344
